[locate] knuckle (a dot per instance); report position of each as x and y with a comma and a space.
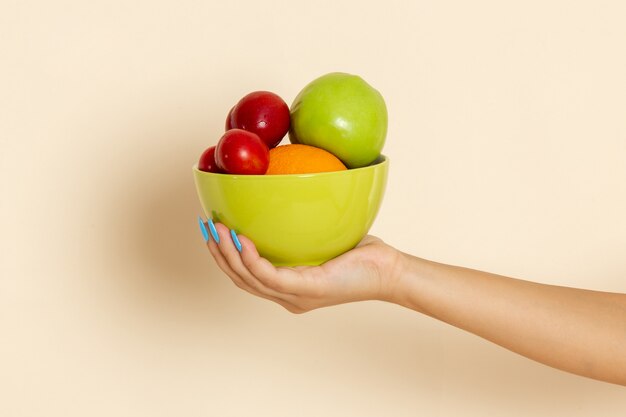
239, 285
293, 309
239, 270
248, 263
251, 287
299, 307
317, 292
275, 284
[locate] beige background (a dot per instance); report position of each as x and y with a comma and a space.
507, 140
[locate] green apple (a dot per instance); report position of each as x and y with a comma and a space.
342, 114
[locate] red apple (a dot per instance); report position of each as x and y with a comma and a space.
263, 113
241, 152
229, 126
207, 161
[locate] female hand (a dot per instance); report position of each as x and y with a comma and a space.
577, 330
367, 272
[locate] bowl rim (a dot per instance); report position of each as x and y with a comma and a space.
378, 162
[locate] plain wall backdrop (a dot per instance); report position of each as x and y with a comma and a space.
507, 142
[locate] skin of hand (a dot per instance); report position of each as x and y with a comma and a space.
576, 330
357, 275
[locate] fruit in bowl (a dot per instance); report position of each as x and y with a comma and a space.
307, 202
297, 219
263, 113
241, 152
302, 159
343, 114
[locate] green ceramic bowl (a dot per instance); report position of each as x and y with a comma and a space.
299, 219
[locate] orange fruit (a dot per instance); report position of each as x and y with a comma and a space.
302, 159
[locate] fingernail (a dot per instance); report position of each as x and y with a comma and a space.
213, 230
236, 240
205, 233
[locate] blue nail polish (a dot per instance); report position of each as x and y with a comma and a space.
213, 230
205, 233
236, 240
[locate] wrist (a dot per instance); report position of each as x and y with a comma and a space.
392, 272
405, 278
